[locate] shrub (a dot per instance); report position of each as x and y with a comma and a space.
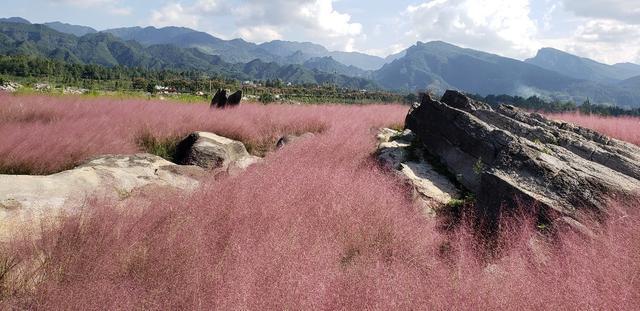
266, 98
162, 147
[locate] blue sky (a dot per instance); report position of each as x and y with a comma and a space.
606, 30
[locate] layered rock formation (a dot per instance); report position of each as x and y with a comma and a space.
506, 156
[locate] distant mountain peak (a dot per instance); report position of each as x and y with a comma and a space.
75, 30
18, 20
581, 67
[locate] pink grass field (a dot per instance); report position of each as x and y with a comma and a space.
49, 134
317, 225
623, 128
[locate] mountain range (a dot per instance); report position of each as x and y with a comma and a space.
238, 50
583, 68
438, 65
434, 65
103, 48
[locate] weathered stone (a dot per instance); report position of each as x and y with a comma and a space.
506, 153
431, 189
210, 151
27, 199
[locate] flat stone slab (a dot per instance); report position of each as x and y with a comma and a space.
431, 189
25, 198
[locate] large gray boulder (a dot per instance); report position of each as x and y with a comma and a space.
26, 200
507, 156
213, 152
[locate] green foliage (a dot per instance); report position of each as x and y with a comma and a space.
478, 167
139, 83
151, 87
456, 203
410, 98
30, 70
162, 147
101, 51
266, 98
277, 83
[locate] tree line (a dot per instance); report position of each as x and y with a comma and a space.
122, 78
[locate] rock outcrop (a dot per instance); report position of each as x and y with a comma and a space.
234, 99
507, 153
221, 100
29, 198
213, 152
397, 152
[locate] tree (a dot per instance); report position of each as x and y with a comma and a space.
151, 87
266, 98
410, 98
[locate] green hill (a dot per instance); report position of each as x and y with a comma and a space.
104, 48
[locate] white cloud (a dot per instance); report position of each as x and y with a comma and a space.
122, 11
627, 11
264, 20
260, 33
111, 6
607, 41
606, 30
315, 19
174, 14
597, 29
499, 26
177, 14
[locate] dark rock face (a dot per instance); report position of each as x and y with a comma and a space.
234, 99
220, 99
508, 155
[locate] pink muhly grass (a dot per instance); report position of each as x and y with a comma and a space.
317, 226
41, 134
623, 128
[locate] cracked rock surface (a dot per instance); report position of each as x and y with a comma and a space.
506, 154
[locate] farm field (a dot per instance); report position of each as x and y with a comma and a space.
317, 225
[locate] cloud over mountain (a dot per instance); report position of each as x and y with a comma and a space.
261, 20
